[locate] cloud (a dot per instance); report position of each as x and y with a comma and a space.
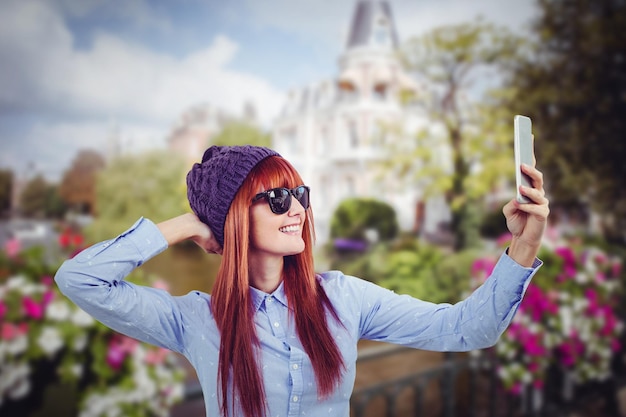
42, 71
329, 20
139, 13
416, 18
74, 94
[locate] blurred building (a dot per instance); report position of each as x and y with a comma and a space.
336, 131
193, 132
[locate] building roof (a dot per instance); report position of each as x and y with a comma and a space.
372, 19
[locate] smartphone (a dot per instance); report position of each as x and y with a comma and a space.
523, 148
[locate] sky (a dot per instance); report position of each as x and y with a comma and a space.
72, 72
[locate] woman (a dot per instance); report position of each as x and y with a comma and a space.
274, 338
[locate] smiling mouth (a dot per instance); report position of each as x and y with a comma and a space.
290, 229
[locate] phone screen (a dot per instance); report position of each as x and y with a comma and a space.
523, 148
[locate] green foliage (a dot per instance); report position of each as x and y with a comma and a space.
149, 185
354, 217
41, 199
238, 133
6, 190
410, 266
430, 274
369, 265
573, 88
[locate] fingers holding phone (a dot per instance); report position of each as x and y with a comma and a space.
534, 192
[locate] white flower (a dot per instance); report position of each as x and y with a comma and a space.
15, 283
581, 277
11, 380
77, 370
50, 340
82, 319
31, 289
177, 392
21, 390
58, 310
566, 320
80, 342
17, 345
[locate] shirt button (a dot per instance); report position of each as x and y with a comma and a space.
276, 324
294, 366
294, 398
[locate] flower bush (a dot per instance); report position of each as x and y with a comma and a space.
566, 320
111, 374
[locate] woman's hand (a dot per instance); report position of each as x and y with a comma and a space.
527, 222
188, 226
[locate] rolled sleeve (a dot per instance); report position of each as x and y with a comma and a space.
95, 281
474, 323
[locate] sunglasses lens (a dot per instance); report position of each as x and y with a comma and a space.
302, 195
279, 200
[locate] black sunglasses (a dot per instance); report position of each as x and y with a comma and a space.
279, 199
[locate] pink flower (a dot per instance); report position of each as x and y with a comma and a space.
10, 331
516, 389
482, 268
503, 240
615, 345
12, 247
534, 346
610, 321
115, 357
161, 285
156, 356
119, 347
32, 308
616, 268
47, 298
569, 261
3, 310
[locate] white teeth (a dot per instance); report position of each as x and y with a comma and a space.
289, 229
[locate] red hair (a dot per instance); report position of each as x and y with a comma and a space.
233, 312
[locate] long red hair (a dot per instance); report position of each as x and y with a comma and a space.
233, 312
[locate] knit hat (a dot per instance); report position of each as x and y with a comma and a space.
212, 184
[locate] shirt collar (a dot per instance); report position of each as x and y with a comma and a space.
259, 296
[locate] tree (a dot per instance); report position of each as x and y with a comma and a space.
574, 89
151, 185
78, 184
6, 190
241, 133
354, 217
40, 199
464, 150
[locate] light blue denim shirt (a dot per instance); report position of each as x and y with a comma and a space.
94, 280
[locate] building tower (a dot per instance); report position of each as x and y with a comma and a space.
333, 131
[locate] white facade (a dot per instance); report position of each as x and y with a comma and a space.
334, 131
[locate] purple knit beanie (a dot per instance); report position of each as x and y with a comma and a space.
212, 184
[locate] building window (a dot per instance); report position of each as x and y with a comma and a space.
381, 32
322, 143
289, 137
378, 133
353, 134
380, 92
